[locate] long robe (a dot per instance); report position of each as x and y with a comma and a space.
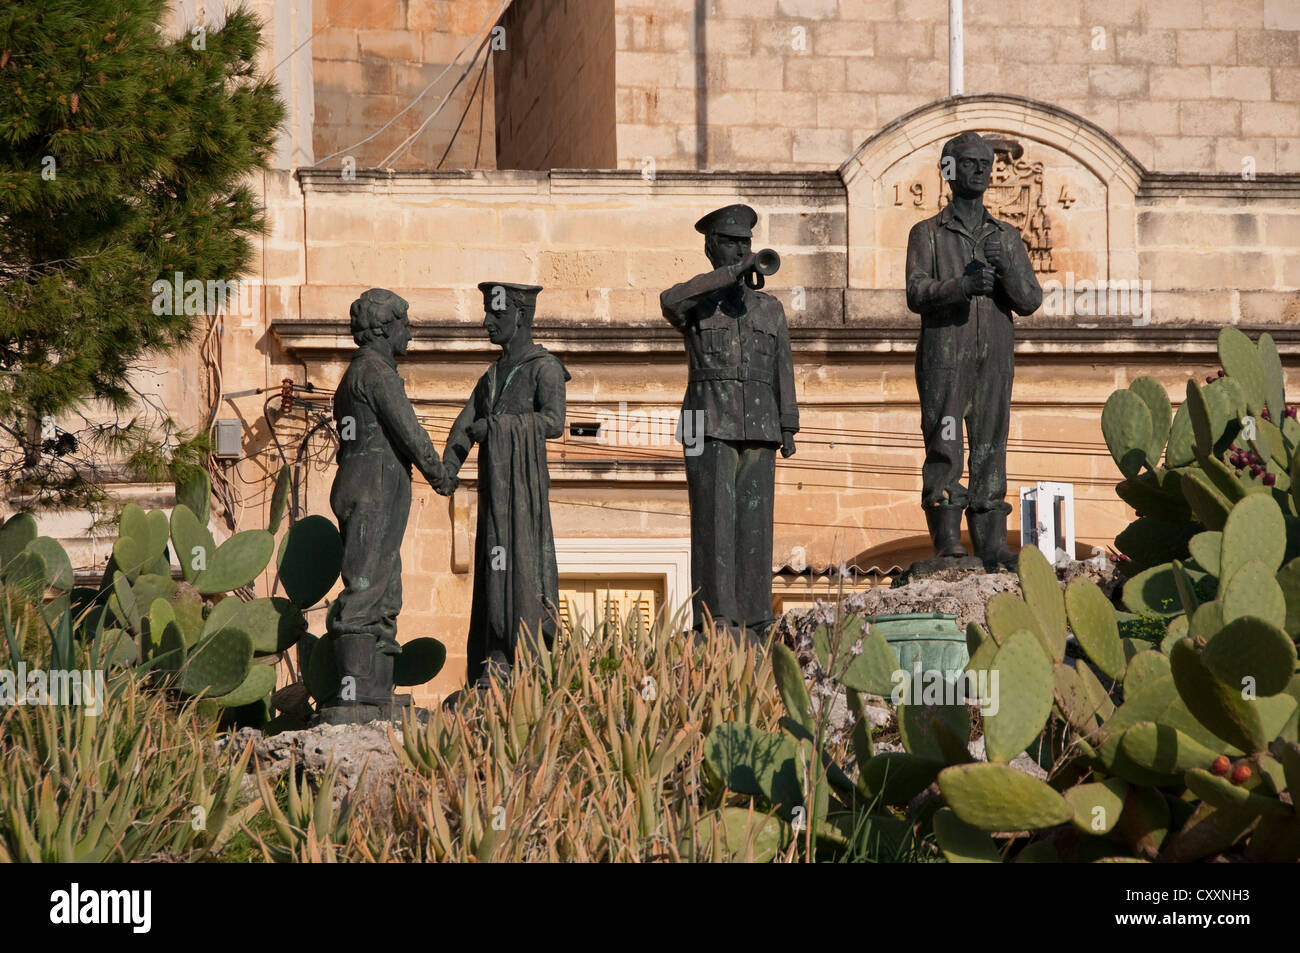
516, 582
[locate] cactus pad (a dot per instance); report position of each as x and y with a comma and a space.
1181, 450
58, 568
789, 680
192, 541
17, 531
1024, 697
998, 797
1251, 648
1241, 359
1097, 806
421, 660
1006, 613
258, 685
1042, 593
237, 562
1216, 705
194, 494
1207, 501
1145, 667
219, 665
1223, 794
1206, 548
1126, 426
1152, 393
748, 760
897, 777
1164, 749
1092, 620
273, 624
961, 843
309, 560
1254, 530
1253, 591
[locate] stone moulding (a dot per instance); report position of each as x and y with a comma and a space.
872, 335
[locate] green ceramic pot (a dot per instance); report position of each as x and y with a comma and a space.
930, 638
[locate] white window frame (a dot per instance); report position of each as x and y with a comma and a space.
669, 557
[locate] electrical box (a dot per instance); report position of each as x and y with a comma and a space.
1047, 519
228, 443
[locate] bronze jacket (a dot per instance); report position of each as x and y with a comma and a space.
371, 405
738, 347
938, 251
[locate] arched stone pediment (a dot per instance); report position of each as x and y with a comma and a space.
1068, 184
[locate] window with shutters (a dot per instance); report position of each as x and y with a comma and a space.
628, 602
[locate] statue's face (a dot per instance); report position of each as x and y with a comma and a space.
726, 249
501, 325
973, 169
399, 334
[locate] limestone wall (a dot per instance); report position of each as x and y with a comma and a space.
1186, 85
372, 58
555, 86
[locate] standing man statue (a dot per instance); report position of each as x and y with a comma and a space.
967, 272
379, 440
516, 407
741, 395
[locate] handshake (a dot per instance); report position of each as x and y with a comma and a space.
446, 485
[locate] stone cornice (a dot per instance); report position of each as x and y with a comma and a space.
488, 183
1171, 185
822, 186
1035, 336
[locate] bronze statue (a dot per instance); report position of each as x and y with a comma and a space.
379, 441
741, 396
967, 272
516, 407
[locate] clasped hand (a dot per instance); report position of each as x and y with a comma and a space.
978, 280
447, 485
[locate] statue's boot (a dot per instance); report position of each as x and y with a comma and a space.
988, 533
369, 666
944, 522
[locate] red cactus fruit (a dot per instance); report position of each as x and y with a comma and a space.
1220, 765
1222, 373
1270, 479
1241, 774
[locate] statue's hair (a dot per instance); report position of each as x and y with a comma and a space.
373, 311
962, 139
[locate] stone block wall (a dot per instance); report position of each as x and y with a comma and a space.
372, 58
1185, 85
555, 86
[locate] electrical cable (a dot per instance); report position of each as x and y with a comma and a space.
465, 112
492, 19
406, 143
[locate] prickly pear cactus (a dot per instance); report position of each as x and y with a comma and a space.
1173, 751
1233, 437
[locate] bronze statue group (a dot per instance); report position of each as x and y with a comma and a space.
967, 274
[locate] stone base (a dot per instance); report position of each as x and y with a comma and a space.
359, 713
944, 568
